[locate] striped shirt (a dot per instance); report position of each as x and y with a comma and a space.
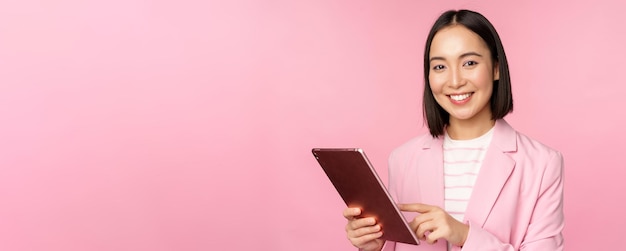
461, 163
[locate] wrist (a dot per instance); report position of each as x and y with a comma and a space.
381, 245
464, 234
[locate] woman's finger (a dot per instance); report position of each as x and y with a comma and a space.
425, 227
351, 212
360, 223
415, 207
363, 231
362, 240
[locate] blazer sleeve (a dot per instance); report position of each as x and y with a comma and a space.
544, 231
389, 246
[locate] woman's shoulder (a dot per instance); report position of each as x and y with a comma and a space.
536, 157
511, 140
531, 146
405, 156
413, 145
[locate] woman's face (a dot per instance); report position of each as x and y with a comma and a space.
462, 74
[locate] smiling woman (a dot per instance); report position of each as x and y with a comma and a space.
487, 185
187, 125
461, 79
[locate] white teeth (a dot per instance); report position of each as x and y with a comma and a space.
460, 97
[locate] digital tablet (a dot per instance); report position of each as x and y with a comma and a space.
355, 179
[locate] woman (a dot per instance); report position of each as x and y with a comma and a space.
473, 183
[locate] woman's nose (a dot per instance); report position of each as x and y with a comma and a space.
456, 79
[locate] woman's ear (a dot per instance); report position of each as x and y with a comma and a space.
496, 71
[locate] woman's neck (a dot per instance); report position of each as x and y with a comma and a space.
470, 128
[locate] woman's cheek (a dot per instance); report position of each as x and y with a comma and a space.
436, 84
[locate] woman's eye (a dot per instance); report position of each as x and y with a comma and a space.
438, 67
470, 63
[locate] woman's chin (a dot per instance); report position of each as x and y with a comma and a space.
461, 116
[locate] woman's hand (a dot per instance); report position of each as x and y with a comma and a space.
437, 222
364, 233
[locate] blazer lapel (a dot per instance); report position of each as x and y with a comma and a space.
494, 172
431, 173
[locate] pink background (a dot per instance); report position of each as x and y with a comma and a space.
187, 125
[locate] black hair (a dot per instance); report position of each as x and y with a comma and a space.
501, 101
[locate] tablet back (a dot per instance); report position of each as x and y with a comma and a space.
355, 179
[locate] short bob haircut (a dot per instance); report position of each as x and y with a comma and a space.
501, 99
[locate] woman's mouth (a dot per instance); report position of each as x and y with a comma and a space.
460, 99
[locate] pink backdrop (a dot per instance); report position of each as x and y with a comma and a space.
187, 125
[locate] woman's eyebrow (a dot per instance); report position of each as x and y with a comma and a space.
467, 54
437, 58
471, 53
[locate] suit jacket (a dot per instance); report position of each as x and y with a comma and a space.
516, 203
